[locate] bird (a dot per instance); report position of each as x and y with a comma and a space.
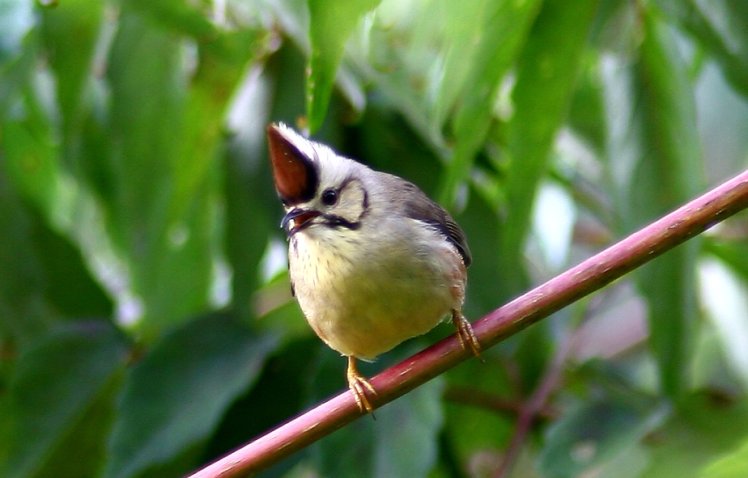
373, 261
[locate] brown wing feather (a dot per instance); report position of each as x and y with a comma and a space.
421, 207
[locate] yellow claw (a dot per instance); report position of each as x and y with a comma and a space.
465, 333
359, 386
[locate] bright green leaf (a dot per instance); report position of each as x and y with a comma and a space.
32, 161
732, 465
505, 28
330, 24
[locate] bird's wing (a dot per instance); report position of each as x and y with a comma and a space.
420, 207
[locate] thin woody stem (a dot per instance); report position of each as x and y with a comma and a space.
583, 279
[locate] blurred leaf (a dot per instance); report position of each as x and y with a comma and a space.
594, 433
470, 428
17, 50
60, 403
480, 221
587, 111
248, 229
16, 20
14, 76
178, 16
721, 26
32, 161
164, 162
70, 35
705, 427
731, 465
330, 24
174, 398
44, 276
68, 283
724, 298
733, 253
465, 28
546, 78
22, 281
666, 174
277, 398
62, 220
505, 28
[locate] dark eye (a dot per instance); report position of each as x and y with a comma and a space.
329, 197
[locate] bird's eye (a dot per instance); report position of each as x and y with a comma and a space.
329, 197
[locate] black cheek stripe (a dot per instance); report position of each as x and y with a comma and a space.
337, 221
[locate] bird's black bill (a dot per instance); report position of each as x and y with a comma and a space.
297, 219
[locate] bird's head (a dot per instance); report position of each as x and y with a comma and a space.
317, 187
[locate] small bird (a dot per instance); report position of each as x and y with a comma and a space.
372, 260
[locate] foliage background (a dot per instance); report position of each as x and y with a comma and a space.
146, 325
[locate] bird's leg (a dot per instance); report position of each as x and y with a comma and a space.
465, 333
359, 386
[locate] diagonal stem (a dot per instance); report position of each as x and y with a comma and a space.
585, 278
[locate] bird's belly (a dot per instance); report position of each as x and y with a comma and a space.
366, 309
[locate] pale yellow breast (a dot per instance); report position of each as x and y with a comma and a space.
363, 299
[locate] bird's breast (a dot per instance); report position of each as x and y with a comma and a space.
363, 295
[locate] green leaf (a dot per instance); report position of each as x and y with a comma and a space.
665, 174
174, 398
330, 24
593, 434
734, 253
163, 155
586, 112
732, 465
45, 277
280, 392
546, 80
177, 15
32, 159
60, 403
705, 428
724, 302
16, 20
70, 33
469, 428
464, 27
720, 26
505, 27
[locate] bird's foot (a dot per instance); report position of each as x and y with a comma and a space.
465, 333
359, 387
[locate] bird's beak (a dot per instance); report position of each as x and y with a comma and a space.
294, 171
297, 219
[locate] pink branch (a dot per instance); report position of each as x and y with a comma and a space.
585, 278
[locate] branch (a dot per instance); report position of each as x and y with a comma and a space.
587, 277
